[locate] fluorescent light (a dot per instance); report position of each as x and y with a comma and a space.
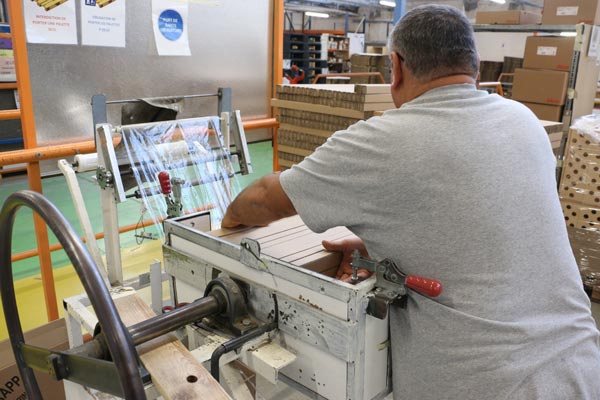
316, 14
499, 1
387, 3
568, 34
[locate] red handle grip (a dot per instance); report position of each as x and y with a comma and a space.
165, 182
429, 287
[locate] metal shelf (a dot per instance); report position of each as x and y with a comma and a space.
524, 28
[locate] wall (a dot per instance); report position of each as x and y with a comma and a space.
229, 43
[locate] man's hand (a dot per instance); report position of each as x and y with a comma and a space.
346, 247
261, 203
229, 221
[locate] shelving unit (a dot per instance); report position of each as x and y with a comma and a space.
11, 135
304, 51
336, 50
583, 73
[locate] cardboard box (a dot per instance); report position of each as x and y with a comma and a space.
571, 12
51, 336
549, 52
509, 17
540, 86
545, 111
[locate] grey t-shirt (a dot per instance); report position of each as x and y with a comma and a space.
459, 185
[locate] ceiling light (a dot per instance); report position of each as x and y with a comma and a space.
316, 14
387, 3
568, 34
499, 1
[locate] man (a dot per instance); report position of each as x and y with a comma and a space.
457, 185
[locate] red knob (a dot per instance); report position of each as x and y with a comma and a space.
429, 287
165, 182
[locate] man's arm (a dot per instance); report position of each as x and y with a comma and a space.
262, 202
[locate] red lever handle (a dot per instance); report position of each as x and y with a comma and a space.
429, 287
165, 182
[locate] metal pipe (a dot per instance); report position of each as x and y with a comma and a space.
9, 114
118, 339
235, 344
72, 149
180, 316
189, 96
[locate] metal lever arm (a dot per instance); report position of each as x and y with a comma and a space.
429, 287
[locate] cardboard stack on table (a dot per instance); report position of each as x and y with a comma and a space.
309, 114
370, 62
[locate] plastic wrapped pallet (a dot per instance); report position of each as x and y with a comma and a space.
580, 198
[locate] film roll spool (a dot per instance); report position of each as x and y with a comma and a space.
86, 162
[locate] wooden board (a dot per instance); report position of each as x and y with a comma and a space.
174, 370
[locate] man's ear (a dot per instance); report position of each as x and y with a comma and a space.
396, 70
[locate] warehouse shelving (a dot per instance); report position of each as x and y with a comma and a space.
305, 51
337, 52
583, 72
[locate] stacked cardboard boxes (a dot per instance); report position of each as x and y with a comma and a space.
542, 82
571, 12
508, 17
369, 62
309, 114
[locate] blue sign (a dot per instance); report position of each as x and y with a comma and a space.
170, 24
90, 2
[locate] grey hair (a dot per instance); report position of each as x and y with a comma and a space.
435, 41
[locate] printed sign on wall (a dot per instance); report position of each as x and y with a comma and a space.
170, 25
103, 23
51, 21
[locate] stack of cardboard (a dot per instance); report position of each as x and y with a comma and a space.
580, 199
580, 181
309, 114
542, 82
369, 62
571, 12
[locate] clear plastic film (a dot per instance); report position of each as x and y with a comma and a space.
192, 152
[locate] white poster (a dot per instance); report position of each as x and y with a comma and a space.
170, 24
50, 21
103, 23
357, 43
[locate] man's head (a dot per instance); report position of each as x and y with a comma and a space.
431, 43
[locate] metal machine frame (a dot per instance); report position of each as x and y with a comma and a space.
109, 171
342, 352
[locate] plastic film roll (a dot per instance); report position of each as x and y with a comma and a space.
86, 162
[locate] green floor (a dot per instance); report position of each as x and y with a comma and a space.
55, 189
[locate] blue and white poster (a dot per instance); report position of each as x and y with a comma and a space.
103, 23
170, 24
